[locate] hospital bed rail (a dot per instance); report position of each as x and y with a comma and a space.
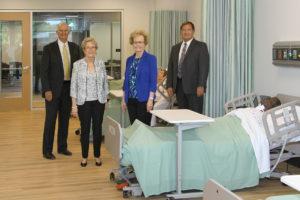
113, 143
281, 125
248, 100
280, 151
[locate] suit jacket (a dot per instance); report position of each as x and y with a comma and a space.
195, 67
146, 76
52, 70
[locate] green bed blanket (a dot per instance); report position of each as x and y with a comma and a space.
221, 150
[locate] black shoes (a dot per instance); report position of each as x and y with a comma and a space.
49, 156
83, 164
65, 152
98, 163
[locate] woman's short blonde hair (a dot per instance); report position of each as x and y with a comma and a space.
88, 39
138, 33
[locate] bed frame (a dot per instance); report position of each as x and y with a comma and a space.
215, 191
253, 99
114, 138
283, 132
288, 128
284, 121
244, 101
113, 143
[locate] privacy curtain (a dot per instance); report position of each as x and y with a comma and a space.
164, 33
228, 32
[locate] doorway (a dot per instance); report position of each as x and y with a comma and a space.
105, 27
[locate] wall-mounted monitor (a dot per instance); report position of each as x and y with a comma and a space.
286, 53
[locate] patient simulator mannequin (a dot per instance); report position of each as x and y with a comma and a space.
161, 76
270, 103
256, 113
162, 100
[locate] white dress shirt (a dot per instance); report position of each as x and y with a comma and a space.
187, 47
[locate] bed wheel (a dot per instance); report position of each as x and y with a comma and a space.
126, 194
112, 176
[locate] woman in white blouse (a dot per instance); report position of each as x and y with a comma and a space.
89, 90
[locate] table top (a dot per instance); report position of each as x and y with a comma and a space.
292, 181
116, 93
180, 116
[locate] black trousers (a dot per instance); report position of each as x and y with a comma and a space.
138, 110
62, 107
91, 111
188, 101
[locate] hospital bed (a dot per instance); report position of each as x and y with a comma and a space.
283, 132
281, 143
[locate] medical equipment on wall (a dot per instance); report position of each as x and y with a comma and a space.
286, 53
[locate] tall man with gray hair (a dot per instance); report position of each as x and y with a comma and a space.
57, 62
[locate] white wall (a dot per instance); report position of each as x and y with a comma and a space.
275, 20
135, 12
194, 8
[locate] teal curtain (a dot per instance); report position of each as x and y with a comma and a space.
164, 33
228, 32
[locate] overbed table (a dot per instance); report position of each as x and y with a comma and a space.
292, 181
183, 119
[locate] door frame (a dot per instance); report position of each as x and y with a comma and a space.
23, 102
122, 41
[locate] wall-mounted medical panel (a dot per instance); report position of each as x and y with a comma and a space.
286, 53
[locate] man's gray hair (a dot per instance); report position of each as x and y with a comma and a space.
62, 23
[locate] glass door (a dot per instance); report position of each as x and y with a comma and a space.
15, 61
105, 27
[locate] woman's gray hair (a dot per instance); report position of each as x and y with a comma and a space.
88, 39
138, 33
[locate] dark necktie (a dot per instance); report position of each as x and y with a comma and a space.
181, 59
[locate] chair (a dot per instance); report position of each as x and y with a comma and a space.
215, 191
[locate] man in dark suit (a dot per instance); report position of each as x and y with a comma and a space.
57, 61
188, 70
